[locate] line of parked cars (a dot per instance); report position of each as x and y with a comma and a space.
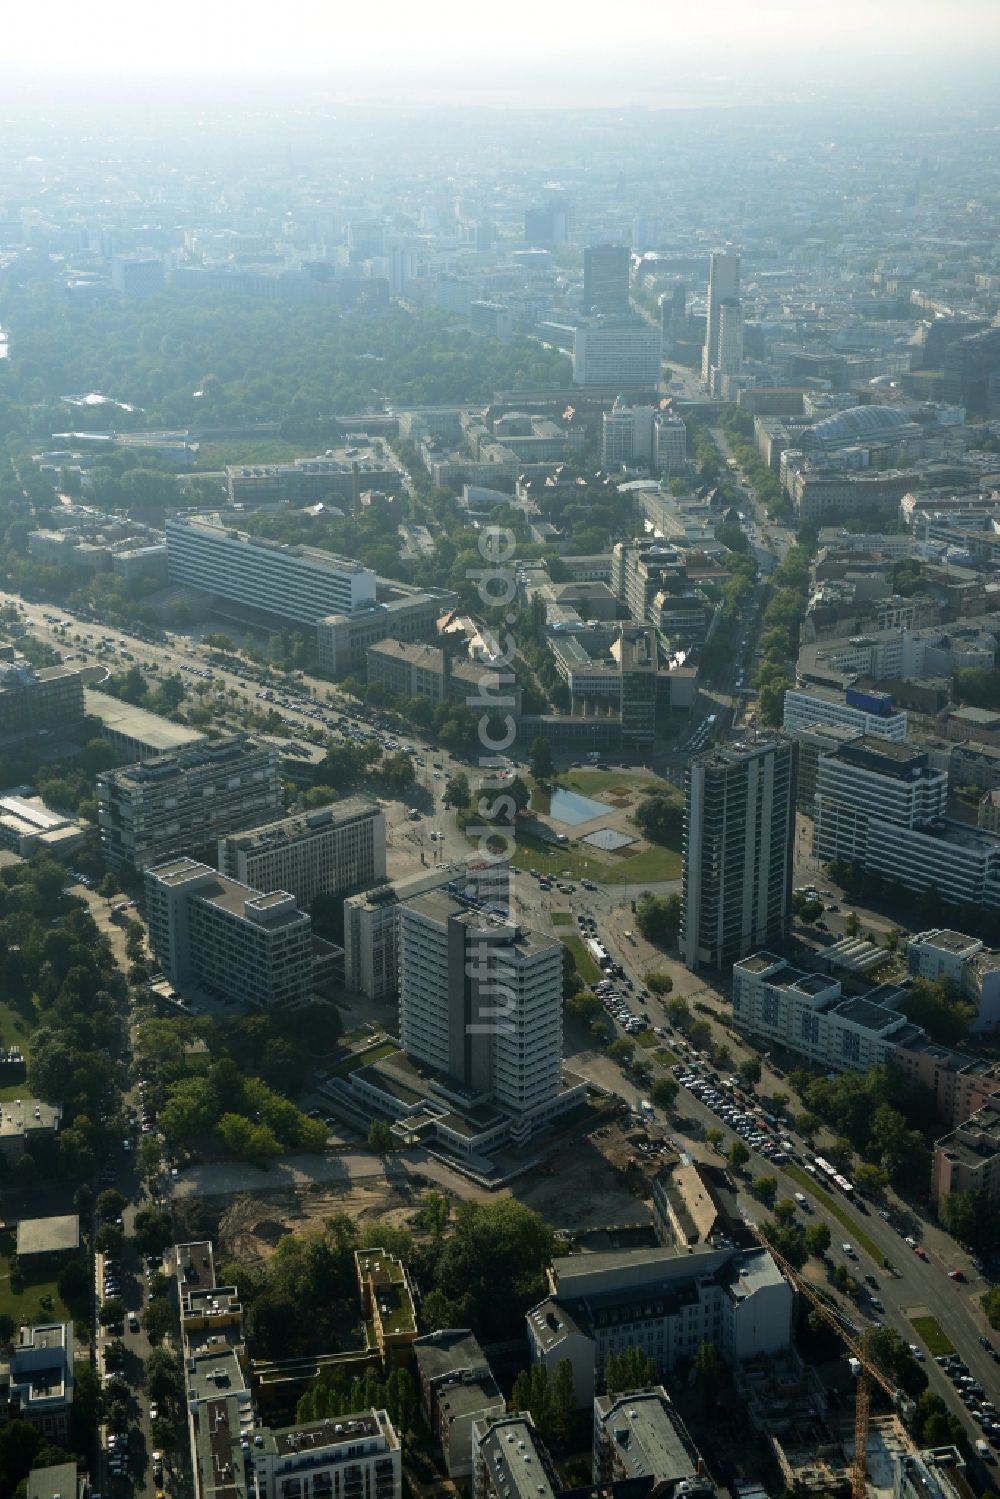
972, 1395
756, 1128
616, 1005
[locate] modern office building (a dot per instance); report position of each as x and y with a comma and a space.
401, 613
739, 832
808, 1013
308, 481
299, 585
625, 352
135, 733
211, 932
411, 669
882, 806
606, 280
184, 802
372, 919
814, 741
641, 1433
136, 277
723, 289
663, 1301
968, 1159
870, 713
37, 1380
612, 672
330, 850
48, 700
352, 1457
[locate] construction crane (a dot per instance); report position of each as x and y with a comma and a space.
867, 1371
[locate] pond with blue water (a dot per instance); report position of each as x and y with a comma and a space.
572, 808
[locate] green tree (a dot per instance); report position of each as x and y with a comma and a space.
766, 1188
152, 1231
497, 1254
817, 1239
622, 1049
990, 1303
869, 1179
659, 919
541, 758
784, 1210
110, 1204
714, 1137
664, 1092
973, 1218
628, 1369
707, 1372
658, 983
157, 1319
380, 1137
457, 792
749, 1070
738, 1155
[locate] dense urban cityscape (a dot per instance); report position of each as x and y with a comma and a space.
500, 787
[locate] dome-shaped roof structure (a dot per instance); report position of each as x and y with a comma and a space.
859, 422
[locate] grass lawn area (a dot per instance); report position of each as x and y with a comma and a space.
843, 1217
27, 1307
14, 1028
585, 965
591, 782
664, 1057
13, 1090
657, 862
363, 1058
561, 918
552, 858
930, 1332
646, 1039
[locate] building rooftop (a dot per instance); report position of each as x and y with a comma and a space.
648, 1436
947, 941
19, 1116
315, 556
440, 1353
517, 1462
282, 1441
56, 1235
58, 1481
160, 734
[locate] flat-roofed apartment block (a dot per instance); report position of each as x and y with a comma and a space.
641, 1434
808, 1013
46, 700
182, 803
347, 1457
387, 1302
212, 932
933, 1473
300, 584
36, 1379
510, 1460
968, 1160
329, 851
457, 1388
307, 479
664, 1301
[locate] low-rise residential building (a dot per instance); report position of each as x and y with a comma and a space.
664, 1301
27, 824
966, 964
36, 1380
211, 932
387, 1302
351, 1455
807, 1013
961, 1084
23, 1121
968, 1159
641, 1433
457, 1389
510, 1461
329, 850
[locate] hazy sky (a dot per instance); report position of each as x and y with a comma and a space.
479, 46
